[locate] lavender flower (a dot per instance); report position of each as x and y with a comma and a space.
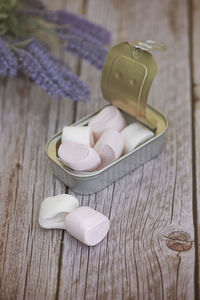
66, 21
85, 26
8, 61
83, 43
63, 17
64, 77
47, 73
21, 53
85, 49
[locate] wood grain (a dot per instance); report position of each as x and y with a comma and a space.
149, 251
149, 205
29, 255
195, 46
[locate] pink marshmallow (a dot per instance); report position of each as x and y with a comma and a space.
79, 157
109, 118
87, 225
109, 146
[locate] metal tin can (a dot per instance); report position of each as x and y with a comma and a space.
91, 182
126, 79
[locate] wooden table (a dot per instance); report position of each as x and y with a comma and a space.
151, 251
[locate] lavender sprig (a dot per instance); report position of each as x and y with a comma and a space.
85, 26
21, 52
86, 44
43, 69
8, 61
63, 17
85, 49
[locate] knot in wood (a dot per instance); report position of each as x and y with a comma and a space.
179, 241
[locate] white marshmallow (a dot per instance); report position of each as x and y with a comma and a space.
109, 118
110, 146
87, 225
134, 135
78, 134
79, 157
53, 210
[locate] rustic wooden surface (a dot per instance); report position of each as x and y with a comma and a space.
151, 251
195, 73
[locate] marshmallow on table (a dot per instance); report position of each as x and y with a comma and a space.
87, 225
79, 157
78, 134
134, 135
110, 146
84, 223
53, 210
109, 118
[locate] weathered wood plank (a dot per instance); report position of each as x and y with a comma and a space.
144, 207
155, 201
29, 255
25, 120
195, 44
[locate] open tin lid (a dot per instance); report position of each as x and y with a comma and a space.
127, 77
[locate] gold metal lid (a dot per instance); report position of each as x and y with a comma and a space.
127, 76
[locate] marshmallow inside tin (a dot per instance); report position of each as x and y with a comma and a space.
108, 118
134, 135
109, 146
78, 134
113, 140
79, 157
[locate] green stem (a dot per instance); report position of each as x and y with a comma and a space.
22, 43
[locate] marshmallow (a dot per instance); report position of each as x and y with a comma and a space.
87, 225
110, 146
78, 134
79, 157
108, 118
53, 210
134, 135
